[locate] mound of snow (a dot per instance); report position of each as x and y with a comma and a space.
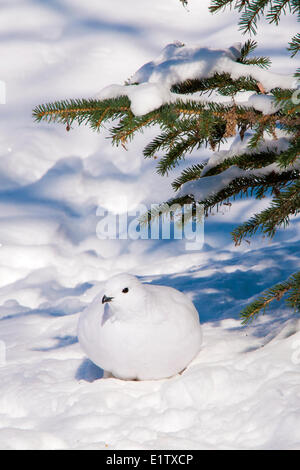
149, 87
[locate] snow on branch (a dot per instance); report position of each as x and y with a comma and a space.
150, 87
206, 186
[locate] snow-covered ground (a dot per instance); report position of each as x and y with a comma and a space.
243, 390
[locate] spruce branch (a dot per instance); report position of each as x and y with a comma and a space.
129, 125
245, 161
294, 45
84, 111
284, 205
252, 10
278, 7
247, 185
189, 174
161, 211
293, 297
291, 155
223, 83
217, 5
251, 14
277, 292
249, 46
176, 153
163, 141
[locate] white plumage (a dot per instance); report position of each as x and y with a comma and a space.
140, 331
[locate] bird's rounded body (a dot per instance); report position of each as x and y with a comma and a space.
156, 338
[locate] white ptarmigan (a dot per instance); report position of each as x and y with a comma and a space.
140, 331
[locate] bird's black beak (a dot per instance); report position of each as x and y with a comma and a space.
106, 299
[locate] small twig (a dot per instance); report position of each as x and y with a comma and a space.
261, 88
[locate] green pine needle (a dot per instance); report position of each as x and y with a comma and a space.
289, 288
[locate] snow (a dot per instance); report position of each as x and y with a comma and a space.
179, 62
144, 98
242, 391
264, 103
206, 186
149, 87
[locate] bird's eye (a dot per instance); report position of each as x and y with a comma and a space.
125, 290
